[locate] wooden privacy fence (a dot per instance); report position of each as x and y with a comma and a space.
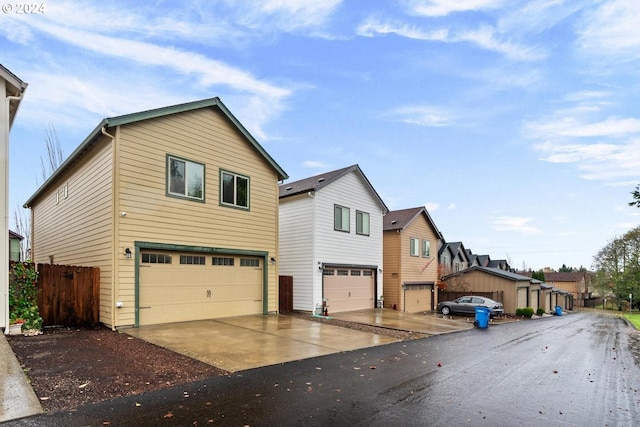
451, 295
68, 295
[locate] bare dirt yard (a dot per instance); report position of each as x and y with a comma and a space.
70, 367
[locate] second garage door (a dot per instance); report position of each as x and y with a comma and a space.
417, 298
349, 289
178, 287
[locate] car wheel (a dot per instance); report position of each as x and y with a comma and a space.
445, 310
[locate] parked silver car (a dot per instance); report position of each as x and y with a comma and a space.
468, 304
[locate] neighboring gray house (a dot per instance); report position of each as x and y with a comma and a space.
331, 240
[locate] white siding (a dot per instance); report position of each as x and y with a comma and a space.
296, 248
337, 247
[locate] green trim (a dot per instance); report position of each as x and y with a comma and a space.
167, 179
201, 249
152, 114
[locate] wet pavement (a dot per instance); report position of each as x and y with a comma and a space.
573, 370
246, 342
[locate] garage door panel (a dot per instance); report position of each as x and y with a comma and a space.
522, 297
418, 298
184, 292
351, 291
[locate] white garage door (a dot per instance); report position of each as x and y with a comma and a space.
417, 298
348, 289
178, 287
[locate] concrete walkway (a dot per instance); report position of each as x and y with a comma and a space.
17, 398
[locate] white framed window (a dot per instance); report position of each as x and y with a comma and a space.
227, 261
249, 262
362, 223
154, 258
341, 218
192, 259
234, 190
185, 178
414, 248
426, 248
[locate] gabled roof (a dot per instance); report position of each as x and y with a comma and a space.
318, 182
454, 248
126, 119
493, 271
398, 220
14, 87
575, 276
484, 260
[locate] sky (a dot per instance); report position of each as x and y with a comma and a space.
517, 124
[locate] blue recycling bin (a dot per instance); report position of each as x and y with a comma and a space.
558, 310
482, 317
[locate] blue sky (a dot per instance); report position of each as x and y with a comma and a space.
516, 123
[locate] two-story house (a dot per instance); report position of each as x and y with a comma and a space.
331, 240
177, 206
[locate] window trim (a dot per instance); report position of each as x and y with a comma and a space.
235, 204
185, 196
348, 225
359, 215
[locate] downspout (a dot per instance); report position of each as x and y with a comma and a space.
114, 263
314, 261
5, 228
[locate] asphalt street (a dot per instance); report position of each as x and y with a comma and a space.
573, 370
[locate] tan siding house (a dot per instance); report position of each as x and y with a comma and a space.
515, 287
410, 271
178, 207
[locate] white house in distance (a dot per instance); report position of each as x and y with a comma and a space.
12, 89
331, 240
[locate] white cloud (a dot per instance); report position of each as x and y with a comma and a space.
612, 30
451, 206
517, 224
374, 26
422, 115
315, 164
484, 37
446, 7
572, 127
290, 15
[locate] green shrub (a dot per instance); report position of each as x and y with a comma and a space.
519, 312
23, 293
527, 312
540, 311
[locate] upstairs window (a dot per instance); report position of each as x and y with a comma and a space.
414, 248
341, 218
234, 190
426, 248
362, 223
185, 178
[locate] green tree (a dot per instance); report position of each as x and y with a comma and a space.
539, 275
636, 196
617, 267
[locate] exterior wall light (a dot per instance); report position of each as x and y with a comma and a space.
127, 253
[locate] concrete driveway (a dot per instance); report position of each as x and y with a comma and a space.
247, 342
429, 324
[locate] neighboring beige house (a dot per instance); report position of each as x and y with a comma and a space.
410, 271
575, 283
12, 90
331, 240
177, 206
14, 246
516, 288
